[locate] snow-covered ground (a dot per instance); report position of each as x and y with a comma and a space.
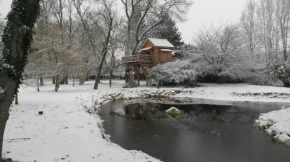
239, 92
67, 132
276, 124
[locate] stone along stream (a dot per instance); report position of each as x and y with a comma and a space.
215, 132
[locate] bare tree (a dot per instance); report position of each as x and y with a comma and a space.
38, 59
131, 9
266, 22
283, 16
98, 24
114, 52
83, 12
249, 26
108, 17
221, 52
57, 51
58, 12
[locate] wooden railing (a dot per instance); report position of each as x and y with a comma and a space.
137, 58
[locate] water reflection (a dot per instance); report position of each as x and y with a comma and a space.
137, 111
153, 111
202, 132
193, 117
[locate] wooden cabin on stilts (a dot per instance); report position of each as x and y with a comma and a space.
153, 51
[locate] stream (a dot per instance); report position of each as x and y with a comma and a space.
206, 131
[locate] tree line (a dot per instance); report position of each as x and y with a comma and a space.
78, 38
254, 50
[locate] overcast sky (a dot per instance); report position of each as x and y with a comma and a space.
202, 14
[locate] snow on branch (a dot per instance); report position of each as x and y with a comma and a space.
2, 93
4, 65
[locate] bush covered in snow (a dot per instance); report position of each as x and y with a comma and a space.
193, 67
176, 72
190, 68
281, 72
260, 75
230, 73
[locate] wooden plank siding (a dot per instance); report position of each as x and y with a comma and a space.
165, 56
153, 55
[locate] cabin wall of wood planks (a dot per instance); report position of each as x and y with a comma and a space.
158, 56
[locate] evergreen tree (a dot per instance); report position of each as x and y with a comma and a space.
168, 30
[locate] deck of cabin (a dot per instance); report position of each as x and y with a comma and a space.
138, 59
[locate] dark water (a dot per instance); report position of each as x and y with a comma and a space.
202, 133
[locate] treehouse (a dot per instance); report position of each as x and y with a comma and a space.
153, 51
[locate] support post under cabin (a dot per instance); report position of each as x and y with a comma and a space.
138, 75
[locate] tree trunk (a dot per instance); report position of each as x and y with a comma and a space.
56, 83
16, 98
285, 55
73, 77
99, 70
127, 47
64, 80
104, 54
84, 77
5, 104
17, 39
126, 74
110, 77
53, 80
37, 83
41, 81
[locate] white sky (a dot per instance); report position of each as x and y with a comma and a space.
202, 14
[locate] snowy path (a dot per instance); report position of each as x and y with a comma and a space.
66, 132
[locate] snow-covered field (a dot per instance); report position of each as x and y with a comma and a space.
67, 132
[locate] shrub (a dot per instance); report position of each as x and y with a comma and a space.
281, 72
176, 72
260, 75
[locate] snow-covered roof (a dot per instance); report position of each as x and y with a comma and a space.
145, 49
161, 42
166, 50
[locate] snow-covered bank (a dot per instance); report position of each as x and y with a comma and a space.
67, 132
276, 124
234, 92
